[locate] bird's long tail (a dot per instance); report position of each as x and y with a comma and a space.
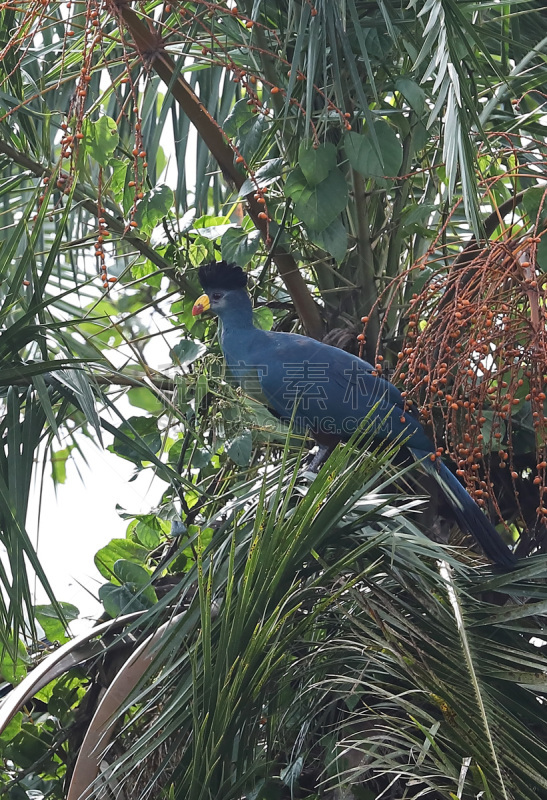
469, 516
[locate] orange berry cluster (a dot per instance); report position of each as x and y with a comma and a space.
475, 352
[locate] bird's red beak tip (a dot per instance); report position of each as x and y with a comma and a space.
197, 309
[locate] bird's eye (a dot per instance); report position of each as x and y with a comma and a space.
216, 296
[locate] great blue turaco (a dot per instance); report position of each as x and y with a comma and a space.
327, 391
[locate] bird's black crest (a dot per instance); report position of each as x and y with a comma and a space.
221, 275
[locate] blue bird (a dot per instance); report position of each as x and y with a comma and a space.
328, 391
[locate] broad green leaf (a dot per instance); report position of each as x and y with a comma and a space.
48, 618
186, 352
144, 398
216, 231
14, 665
101, 139
317, 206
418, 213
263, 318
120, 599
362, 155
246, 127
239, 246
12, 728
143, 430
240, 449
148, 531
207, 221
118, 180
118, 549
148, 273
239, 115
333, 239
316, 161
200, 251
252, 134
413, 94
58, 463
136, 578
194, 457
27, 747
153, 208
264, 176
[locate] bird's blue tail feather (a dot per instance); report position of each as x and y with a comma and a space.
467, 512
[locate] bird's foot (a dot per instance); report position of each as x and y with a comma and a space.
318, 458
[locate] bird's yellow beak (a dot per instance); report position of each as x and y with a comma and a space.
202, 304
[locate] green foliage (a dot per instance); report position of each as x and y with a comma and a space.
153, 207
48, 618
101, 139
317, 204
321, 644
136, 438
377, 155
116, 550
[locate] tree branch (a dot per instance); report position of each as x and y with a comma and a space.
115, 224
150, 47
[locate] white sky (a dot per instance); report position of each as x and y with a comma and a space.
81, 516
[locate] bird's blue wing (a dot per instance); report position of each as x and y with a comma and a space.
331, 391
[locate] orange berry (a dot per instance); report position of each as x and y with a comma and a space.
275, 90
262, 215
240, 160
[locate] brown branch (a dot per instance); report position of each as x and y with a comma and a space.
150, 47
473, 247
365, 257
114, 223
158, 382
